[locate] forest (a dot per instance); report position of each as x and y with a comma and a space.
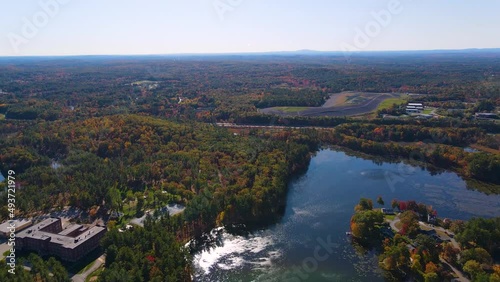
126, 134
238, 179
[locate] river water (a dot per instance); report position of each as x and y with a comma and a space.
310, 244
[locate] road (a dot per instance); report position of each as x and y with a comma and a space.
393, 222
234, 125
97, 263
458, 273
452, 240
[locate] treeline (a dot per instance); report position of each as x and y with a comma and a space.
290, 97
431, 149
262, 119
480, 166
32, 109
412, 133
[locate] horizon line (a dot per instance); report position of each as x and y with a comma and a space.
301, 51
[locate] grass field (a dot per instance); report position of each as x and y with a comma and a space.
2, 116
390, 216
387, 103
291, 109
355, 99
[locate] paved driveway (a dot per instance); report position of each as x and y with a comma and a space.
97, 263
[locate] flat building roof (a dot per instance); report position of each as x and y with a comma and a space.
20, 224
62, 238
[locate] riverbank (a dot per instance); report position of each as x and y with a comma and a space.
318, 209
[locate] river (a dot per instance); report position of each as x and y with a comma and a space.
309, 243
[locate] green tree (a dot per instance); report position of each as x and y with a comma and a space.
426, 246
394, 204
396, 259
58, 271
485, 106
416, 265
51, 271
364, 204
111, 253
485, 167
363, 224
380, 201
476, 254
39, 268
431, 277
139, 207
480, 232
114, 199
473, 268
450, 253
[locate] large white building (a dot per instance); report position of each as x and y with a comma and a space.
414, 108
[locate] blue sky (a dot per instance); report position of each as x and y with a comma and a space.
77, 27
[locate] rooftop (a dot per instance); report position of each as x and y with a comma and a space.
70, 237
18, 223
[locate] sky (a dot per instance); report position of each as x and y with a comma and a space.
122, 27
